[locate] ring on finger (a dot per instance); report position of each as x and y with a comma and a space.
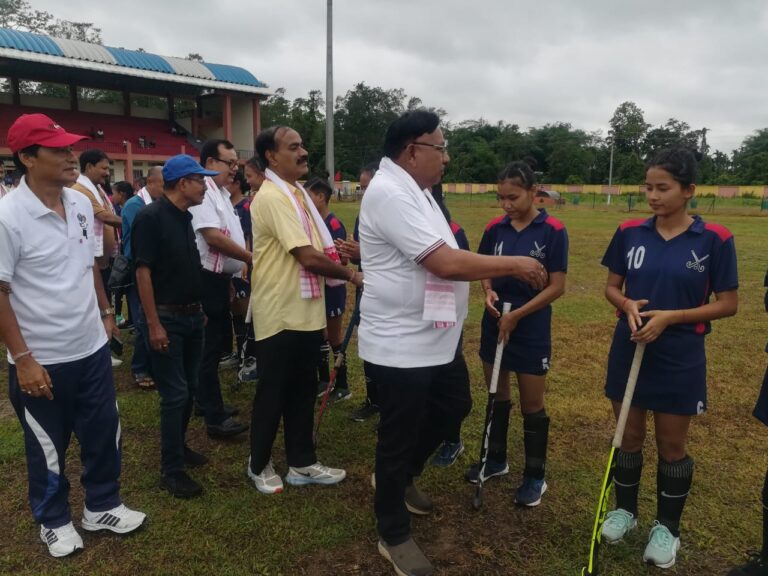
28, 392
42, 387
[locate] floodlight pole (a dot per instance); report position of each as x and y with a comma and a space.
329, 160
610, 173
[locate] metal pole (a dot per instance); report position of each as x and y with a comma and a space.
610, 175
329, 160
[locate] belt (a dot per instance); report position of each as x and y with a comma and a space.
185, 309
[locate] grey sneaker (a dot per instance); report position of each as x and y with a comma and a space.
407, 558
618, 523
314, 474
267, 481
417, 502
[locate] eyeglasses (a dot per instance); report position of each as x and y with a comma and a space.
442, 148
230, 163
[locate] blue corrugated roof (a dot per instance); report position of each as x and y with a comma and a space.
28, 42
233, 74
77, 50
140, 60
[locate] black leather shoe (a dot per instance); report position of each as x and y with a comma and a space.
194, 459
230, 427
180, 485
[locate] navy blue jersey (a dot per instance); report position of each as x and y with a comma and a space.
544, 239
335, 227
243, 211
460, 236
676, 274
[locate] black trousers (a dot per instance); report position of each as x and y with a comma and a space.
417, 406
216, 307
286, 389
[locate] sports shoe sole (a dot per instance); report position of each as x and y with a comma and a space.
75, 550
668, 564
533, 504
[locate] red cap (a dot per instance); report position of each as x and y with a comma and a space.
31, 129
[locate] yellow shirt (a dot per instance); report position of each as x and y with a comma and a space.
276, 302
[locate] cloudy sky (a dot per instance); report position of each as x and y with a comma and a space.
528, 63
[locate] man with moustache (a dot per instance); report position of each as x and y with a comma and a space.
140, 363
169, 279
292, 251
412, 311
54, 320
221, 244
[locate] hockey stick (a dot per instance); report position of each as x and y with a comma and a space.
338, 361
477, 501
591, 569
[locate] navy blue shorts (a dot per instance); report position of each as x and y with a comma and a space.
525, 352
673, 376
761, 409
335, 301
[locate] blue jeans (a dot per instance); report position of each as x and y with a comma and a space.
140, 363
176, 373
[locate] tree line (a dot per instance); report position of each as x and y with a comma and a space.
479, 149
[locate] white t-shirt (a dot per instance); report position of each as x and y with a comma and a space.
217, 212
49, 265
397, 232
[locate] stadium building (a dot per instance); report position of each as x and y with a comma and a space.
139, 108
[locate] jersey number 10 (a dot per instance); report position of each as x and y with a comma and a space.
635, 257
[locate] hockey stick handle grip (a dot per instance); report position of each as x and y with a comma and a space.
505, 307
629, 392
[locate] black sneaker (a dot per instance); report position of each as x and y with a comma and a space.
365, 411
180, 485
194, 459
407, 558
757, 566
417, 502
321, 387
230, 427
340, 394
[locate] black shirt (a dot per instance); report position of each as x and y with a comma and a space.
163, 240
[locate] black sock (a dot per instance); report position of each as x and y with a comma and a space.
765, 517
626, 478
323, 369
341, 375
497, 442
673, 482
535, 436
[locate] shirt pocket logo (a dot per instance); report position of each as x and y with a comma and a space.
538, 252
696, 263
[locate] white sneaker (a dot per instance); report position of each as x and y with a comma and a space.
61, 541
120, 520
662, 547
116, 362
267, 482
618, 523
314, 474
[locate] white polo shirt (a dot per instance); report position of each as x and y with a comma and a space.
49, 265
217, 212
396, 234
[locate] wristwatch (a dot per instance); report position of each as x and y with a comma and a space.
107, 312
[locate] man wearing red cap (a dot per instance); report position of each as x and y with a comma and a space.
55, 319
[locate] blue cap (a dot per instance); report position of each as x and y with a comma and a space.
183, 165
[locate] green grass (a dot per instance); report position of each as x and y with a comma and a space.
234, 530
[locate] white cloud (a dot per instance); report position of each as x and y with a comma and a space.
704, 62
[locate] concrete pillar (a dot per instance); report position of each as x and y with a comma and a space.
256, 117
226, 115
128, 162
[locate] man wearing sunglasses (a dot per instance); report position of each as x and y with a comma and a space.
221, 244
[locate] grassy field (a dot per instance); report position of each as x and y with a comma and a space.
234, 530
